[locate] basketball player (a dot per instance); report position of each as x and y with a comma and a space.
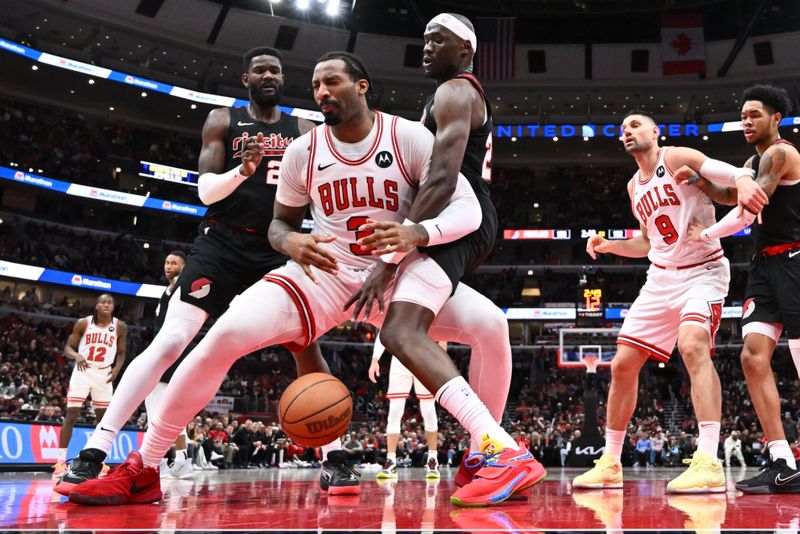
238, 165
771, 300
681, 301
400, 383
97, 344
459, 115
340, 170
182, 466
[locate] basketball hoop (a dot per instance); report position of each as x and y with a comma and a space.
591, 361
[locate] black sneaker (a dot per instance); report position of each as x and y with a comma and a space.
337, 477
86, 466
763, 481
787, 479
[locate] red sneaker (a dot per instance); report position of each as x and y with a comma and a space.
128, 483
506, 472
470, 464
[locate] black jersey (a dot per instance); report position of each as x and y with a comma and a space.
249, 207
780, 219
161, 309
478, 154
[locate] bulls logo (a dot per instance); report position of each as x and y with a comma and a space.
200, 288
660, 171
384, 159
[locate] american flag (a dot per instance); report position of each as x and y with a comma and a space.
496, 45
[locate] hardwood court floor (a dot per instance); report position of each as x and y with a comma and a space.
290, 500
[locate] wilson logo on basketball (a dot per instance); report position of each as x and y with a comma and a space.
332, 422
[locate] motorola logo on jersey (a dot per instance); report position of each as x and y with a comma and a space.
200, 288
384, 159
660, 171
111, 328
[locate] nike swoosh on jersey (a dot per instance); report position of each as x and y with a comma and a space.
794, 253
240, 123
321, 167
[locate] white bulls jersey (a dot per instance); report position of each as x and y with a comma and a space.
665, 209
98, 344
347, 183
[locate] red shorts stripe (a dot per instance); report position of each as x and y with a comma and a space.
654, 352
300, 301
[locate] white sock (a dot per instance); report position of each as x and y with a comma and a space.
780, 449
180, 455
392, 457
708, 441
433, 453
794, 348
458, 398
335, 445
62, 455
615, 439
158, 440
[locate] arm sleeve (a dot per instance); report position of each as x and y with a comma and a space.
212, 187
721, 173
292, 178
378, 349
731, 223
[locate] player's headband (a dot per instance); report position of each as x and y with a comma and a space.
457, 27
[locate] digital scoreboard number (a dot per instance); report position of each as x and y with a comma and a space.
590, 309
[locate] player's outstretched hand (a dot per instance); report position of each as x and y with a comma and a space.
597, 244
750, 196
686, 175
81, 364
391, 236
374, 371
694, 229
252, 154
372, 290
305, 250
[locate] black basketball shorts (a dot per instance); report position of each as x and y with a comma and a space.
773, 291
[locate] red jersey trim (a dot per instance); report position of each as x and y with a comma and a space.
370, 152
312, 149
300, 300
398, 156
660, 151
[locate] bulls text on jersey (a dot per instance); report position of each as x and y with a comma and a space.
660, 196
344, 193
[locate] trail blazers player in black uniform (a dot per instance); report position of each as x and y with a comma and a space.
459, 114
239, 166
772, 298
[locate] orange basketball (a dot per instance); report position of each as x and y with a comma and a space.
315, 409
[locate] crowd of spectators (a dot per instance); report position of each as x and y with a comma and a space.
546, 411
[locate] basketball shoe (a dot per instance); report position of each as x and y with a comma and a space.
87, 466
606, 474
704, 475
775, 477
337, 477
128, 483
470, 464
389, 470
59, 469
432, 469
506, 471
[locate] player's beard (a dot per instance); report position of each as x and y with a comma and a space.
264, 99
332, 118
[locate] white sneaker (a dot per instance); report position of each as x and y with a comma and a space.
182, 469
216, 456
163, 468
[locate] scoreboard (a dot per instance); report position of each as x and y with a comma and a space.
589, 310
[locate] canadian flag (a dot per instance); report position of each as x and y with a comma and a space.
682, 44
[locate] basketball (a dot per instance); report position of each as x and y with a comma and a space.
315, 409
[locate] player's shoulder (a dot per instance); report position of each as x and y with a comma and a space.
302, 144
782, 147
406, 129
83, 323
122, 325
458, 88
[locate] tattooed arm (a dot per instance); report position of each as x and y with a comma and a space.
773, 167
727, 196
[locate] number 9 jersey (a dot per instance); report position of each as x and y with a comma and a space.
666, 209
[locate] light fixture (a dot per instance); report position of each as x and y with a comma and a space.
144, 94
705, 138
193, 106
332, 9
555, 138
513, 139
302, 4
91, 81
34, 67
110, 108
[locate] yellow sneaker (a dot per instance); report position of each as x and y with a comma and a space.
705, 475
59, 469
606, 505
606, 474
706, 513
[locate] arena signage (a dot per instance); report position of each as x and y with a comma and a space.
586, 130
168, 173
24, 443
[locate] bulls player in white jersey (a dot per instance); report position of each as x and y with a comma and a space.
97, 345
681, 300
362, 164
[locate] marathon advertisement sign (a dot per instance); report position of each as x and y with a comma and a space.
26, 443
33, 179
144, 83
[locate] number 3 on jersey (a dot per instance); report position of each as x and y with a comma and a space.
353, 225
666, 229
